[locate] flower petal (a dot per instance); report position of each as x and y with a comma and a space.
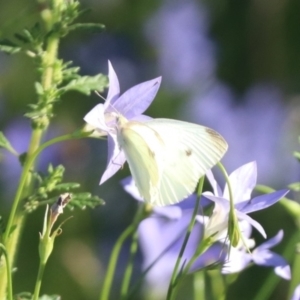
130, 187
114, 87
270, 259
115, 158
260, 202
271, 242
96, 118
137, 99
255, 224
243, 181
296, 294
216, 188
237, 261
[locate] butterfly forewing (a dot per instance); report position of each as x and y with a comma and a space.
189, 151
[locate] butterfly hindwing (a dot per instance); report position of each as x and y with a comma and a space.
142, 157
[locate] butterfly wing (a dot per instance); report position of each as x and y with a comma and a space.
167, 157
142, 149
189, 151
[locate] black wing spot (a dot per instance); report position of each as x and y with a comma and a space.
188, 152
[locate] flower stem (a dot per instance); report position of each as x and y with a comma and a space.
174, 277
128, 271
199, 285
234, 232
104, 294
38, 282
8, 273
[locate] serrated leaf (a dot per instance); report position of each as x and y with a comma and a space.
22, 38
39, 88
8, 47
92, 27
83, 200
4, 143
66, 186
86, 84
294, 186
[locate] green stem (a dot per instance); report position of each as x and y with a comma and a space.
228, 185
199, 285
104, 294
38, 282
174, 277
8, 273
218, 288
128, 271
234, 232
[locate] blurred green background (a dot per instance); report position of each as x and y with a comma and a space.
230, 65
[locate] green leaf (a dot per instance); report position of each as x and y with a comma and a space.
39, 90
9, 47
83, 200
92, 27
86, 84
294, 186
67, 186
4, 143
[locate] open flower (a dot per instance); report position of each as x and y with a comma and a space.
243, 181
240, 258
160, 238
131, 105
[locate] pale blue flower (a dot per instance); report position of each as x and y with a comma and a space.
240, 258
131, 105
296, 294
161, 236
243, 181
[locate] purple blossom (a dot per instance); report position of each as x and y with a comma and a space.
161, 237
240, 258
243, 181
131, 105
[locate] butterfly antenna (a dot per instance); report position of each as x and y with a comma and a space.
99, 95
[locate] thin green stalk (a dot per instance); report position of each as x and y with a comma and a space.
16, 218
104, 294
25, 173
8, 273
223, 170
174, 277
199, 285
234, 232
128, 271
38, 282
218, 287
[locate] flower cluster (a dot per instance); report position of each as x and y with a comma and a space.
161, 235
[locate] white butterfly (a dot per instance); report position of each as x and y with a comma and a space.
167, 157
